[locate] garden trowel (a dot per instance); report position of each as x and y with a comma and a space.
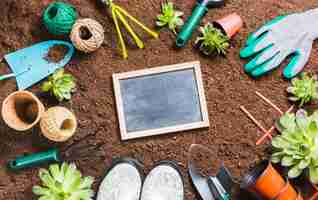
216, 187
29, 65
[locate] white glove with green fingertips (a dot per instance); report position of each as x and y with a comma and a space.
290, 35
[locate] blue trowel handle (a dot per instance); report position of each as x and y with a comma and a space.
35, 159
191, 24
3, 77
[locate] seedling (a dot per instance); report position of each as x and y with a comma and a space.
60, 85
304, 89
64, 182
169, 17
118, 12
297, 146
212, 40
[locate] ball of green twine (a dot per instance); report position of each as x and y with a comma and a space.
59, 18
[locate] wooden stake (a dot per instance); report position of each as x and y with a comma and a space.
269, 102
253, 119
269, 132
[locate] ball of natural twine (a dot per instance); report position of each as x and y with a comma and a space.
58, 124
59, 18
87, 35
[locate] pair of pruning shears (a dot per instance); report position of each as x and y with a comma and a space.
198, 13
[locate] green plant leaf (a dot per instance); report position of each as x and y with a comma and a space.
61, 85
169, 17
294, 172
64, 183
287, 161
313, 174
304, 89
38, 190
46, 86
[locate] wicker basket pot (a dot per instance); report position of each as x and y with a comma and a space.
58, 124
22, 110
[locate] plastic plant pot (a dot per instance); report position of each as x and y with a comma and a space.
264, 181
22, 110
229, 25
287, 193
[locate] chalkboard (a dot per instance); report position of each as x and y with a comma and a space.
160, 100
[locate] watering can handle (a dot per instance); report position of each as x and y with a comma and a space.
34, 159
191, 24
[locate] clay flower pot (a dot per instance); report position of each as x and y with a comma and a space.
263, 180
287, 193
229, 25
21, 110
58, 124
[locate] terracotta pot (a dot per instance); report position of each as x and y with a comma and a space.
58, 124
287, 193
21, 110
264, 181
229, 25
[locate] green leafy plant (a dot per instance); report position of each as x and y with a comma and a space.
169, 16
297, 146
60, 84
304, 89
212, 40
64, 182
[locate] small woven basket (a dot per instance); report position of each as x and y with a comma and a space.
58, 124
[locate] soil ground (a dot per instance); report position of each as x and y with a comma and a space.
231, 133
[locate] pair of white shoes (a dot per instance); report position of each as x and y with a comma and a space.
124, 181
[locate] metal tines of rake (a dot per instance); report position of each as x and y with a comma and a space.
267, 133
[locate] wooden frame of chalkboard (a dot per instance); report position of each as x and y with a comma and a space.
118, 81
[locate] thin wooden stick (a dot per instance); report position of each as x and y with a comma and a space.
253, 119
269, 102
314, 196
269, 132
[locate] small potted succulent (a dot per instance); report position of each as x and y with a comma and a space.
303, 89
297, 146
169, 17
215, 38
60, 84
212, 40
64, 182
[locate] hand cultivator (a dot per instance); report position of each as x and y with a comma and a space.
119, 14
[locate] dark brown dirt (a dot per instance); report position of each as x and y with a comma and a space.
56, 53
231, 133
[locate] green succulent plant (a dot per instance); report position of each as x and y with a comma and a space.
60, 84
304, 89
212, 40
297, 146
169, 17
64, 182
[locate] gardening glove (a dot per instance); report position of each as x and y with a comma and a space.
275, 41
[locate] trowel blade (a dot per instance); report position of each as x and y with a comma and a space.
31, 61
200, 183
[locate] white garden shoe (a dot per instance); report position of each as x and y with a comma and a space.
123, 181
164, 182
